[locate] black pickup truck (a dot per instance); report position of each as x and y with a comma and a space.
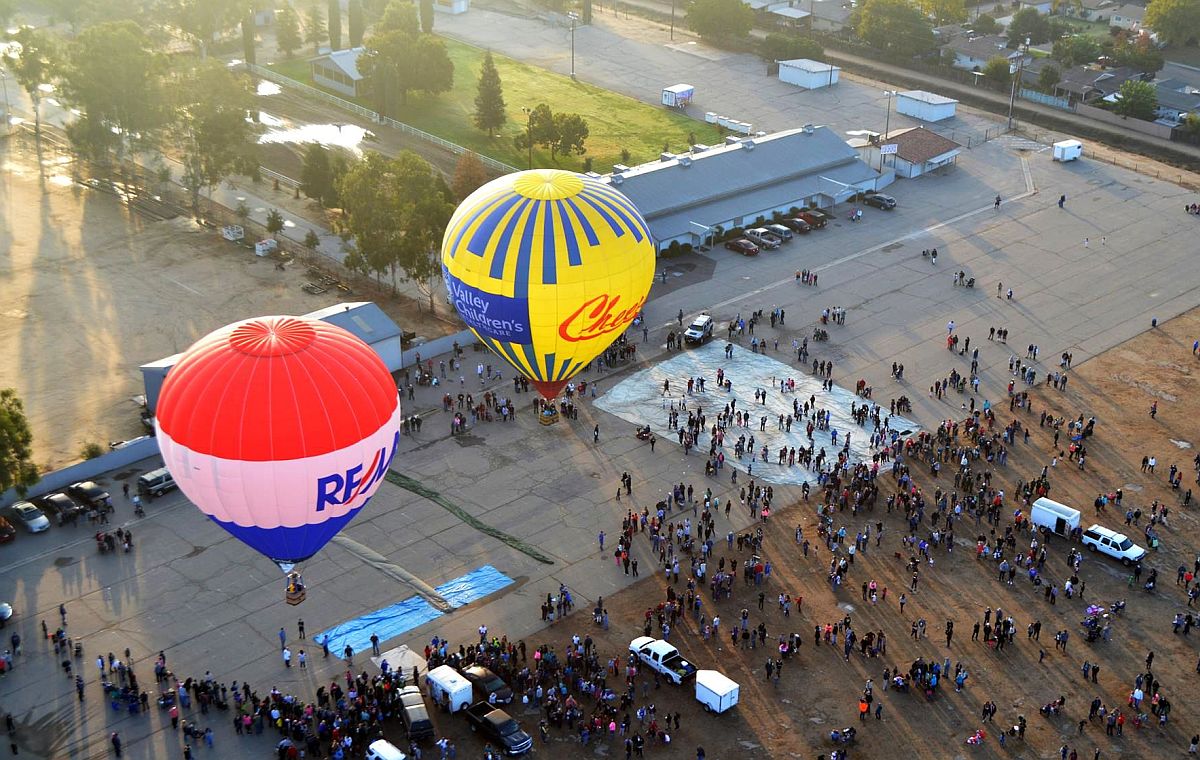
500, 726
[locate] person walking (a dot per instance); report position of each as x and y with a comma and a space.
115, 738
282, 639
1062, 200
596, 434
997, 201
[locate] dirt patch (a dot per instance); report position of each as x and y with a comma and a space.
819, 688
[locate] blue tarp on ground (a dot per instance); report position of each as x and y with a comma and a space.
402, 617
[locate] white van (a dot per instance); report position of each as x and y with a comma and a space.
448, 689
1054, 517
384, 750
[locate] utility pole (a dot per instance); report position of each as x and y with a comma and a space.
672, 20
887, 125
529, 133
1012, 95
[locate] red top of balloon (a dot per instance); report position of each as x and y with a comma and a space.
275, 388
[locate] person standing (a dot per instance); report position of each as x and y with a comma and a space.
287, 657
300, 626
1062, 200
282, 639
116, 743
596, 434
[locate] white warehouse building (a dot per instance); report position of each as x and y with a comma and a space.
926, 106
685, 197
807, 73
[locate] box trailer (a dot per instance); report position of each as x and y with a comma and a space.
716, 692
678, 95
1053, 516
1068, 150
448, 689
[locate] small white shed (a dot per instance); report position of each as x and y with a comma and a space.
925, 105
808, 74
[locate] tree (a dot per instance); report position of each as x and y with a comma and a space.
397, 209
354, 16
585, 12
213, 126
287, 31
32, 60
17, 469
895, 26
1191, 125
427, 16
315, 31
985, 23
539, 129
7, 9
1137, 52
720, 19
944, 11
1177, 22
401, 60
1137, 99
570, 132
274, 221
778, 46
1048, 77
1076, 50
335, 24
469, 175
489, 99
997, 70
202, 20
311, 240
249, 49
319, 176
1027, 23
114, 76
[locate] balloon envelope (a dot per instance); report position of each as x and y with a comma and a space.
547, 268
280, 429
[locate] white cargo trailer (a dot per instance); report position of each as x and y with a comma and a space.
678, 95
1068, 150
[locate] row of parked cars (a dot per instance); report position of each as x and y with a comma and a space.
771, 236
75, 500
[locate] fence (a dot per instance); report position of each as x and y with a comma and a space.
89, 469
1046, 100
1134, 125
282, 179
279, 79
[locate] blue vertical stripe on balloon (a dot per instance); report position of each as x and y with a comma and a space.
602, 203
569, 233
500, 253
633, 217
550, 361
583, 222
597, 204
549, 246
492, 214
525, 249
532, 360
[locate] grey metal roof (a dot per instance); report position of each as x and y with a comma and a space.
364, 319
734, 180
346, 60
1177, 101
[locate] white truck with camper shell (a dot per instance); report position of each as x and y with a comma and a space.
663, 658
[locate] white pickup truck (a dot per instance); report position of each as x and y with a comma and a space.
662, 657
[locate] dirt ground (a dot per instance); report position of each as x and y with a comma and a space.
819, 691
93, 290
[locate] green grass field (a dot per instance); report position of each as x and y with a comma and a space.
615, 122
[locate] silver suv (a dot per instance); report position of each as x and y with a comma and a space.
700, 330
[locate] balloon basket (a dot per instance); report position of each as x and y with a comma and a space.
548, 415
296, 592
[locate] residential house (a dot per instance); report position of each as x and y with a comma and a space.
1127, 17
972, 54
1041, 6
1087, 83
1091, 10
920, 151
1175, 105
685, 197
829, 15
788, 16
338, 71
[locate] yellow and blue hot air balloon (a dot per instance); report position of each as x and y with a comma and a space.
547, 268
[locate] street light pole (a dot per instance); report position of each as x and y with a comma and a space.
574, 17
672, 20
1012, 95
529, 133
887, 125
7, 107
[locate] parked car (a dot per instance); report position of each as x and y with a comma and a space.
763, 239
156, 482
500, 726
6, 612
797, 225
487, 683
414, 714
742, 246
61, 505
34, 520
89, 493
879, 200
780, 231
1116, 545
700, 330
7, 531
815, 216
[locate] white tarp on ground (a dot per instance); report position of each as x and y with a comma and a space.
639, 399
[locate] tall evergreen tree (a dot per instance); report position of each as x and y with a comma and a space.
249, 51
335, 24
354, 13
427, 16
287, 31
315, 30
489, 100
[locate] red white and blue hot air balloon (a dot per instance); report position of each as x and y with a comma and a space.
280, 429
